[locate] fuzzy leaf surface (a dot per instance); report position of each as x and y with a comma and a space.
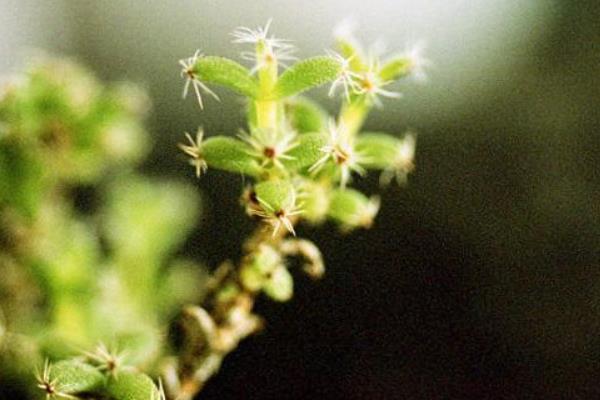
378, 149
225, 72
346, 205
275, 194
74, 377
306, 115
307, 152
132, 386
229, 154
307, 74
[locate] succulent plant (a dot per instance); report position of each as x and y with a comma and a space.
89, 292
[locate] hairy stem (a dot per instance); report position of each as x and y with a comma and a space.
211, 335
266, 110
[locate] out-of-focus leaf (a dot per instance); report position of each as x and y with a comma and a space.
306, 115
132, 386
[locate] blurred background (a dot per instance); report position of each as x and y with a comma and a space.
481, 278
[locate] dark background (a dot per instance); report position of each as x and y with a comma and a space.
480, 279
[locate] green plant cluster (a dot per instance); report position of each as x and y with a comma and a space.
301, 162
89, 288
87, 273
301, 159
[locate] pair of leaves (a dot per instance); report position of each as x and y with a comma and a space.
233, 155
302, 76
72, 377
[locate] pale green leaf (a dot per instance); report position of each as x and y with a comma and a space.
225, 72
72, 377
395, 68
132, 386
377, 150
307, 152
305, 115
276, 195
280, 285
351, 50
351, 208
229, 154
315, 200
307, 74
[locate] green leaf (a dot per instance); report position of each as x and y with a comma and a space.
226, 72
147, 218
276, 195
132, 386
315, 200
280, 285
307, 74
378, 149
251, 277
351, 50
307, 152
351, 208
229, 154
180, 285
395, 68
264, 260
306, 115
74, 377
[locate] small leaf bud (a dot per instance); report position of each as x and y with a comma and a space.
280, 285
353, 209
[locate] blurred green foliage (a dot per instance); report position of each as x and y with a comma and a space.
76, 274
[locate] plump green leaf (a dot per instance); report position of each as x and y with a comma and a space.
263, 261
260, 267
307, 74
378, 149
132, 386
251, 278
229, 154
276, 194
351, 208
266, 259
225, 72
351, 50
395, 68
305, 115
72, 377
315, 200
280, 285
345, 203
307, 152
